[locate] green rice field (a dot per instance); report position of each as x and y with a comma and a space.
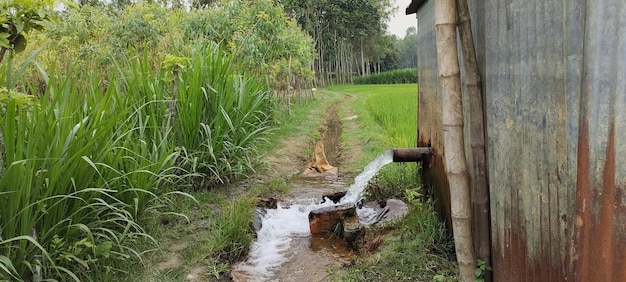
394, 107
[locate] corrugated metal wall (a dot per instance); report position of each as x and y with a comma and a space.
429, 118
554, 76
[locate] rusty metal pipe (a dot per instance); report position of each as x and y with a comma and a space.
418, 154
423, 155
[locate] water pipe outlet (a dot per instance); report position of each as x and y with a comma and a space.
419, 154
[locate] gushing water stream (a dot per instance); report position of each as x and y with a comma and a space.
355, 192
289, 222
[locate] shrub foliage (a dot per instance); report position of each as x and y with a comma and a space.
390, 77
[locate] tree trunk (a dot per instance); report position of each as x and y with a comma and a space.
321, 64
452, 118
362, 60
480, 186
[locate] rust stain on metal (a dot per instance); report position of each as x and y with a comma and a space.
599, 251
437, 183
601, 263
619, 254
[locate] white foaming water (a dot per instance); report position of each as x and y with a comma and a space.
273, 239
355, 192
280, 225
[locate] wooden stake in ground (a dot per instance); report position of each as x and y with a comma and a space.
480, 188
456, 165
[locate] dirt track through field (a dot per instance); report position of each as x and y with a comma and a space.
309, 259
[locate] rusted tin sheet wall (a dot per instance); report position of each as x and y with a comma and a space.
554, 76
600, 222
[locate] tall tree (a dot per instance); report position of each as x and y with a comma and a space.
406, 49
345, 32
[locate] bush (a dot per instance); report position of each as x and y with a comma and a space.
391, 77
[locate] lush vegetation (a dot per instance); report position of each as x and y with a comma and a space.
406, 49
258, 33
121, 120
111, 112
389, 77
84, 164
219, 229
349, 35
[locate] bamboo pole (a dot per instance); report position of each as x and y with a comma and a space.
480, 186
452, 118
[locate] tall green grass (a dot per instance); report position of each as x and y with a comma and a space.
222, 116
86, 161
389, 77
76, 182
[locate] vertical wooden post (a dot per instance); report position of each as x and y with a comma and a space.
480, 186
452, 119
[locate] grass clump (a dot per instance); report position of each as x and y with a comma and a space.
418, 249
231, 233
389, 77
396, 181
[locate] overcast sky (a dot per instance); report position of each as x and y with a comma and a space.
399, 21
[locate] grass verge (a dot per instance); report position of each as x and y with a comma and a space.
417, 248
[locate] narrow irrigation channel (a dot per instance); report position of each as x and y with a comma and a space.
285, 250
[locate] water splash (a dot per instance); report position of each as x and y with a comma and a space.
281, 225
355, 192
270, 250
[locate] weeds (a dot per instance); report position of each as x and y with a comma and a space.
230, 234
481, 270
418, 249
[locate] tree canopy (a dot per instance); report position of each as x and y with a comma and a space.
349, 34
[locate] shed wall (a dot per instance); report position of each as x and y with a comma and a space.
429, 117
554, 78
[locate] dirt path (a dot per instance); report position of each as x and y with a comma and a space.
291, 157
311, 258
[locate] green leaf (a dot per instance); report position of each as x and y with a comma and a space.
7, 266
20, 44
104, 249
4, 40
19, 25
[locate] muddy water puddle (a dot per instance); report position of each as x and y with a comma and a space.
284, 249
